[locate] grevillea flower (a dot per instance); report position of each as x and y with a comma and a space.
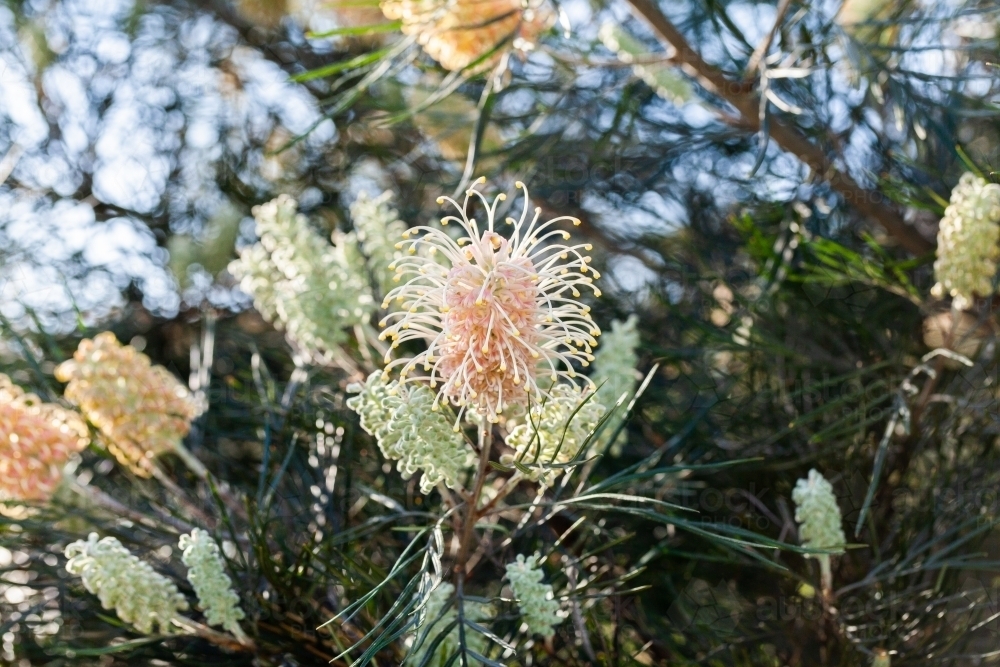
138, 593
492, 309
968, 243
409, 431
460, 33
207, 574
554, 431
821, 524
539, 608
438, 614
140, 409
36, 441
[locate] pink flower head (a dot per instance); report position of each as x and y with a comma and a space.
494, 311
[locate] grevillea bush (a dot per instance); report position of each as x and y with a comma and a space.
295, 370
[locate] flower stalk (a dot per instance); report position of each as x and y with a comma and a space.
472, 500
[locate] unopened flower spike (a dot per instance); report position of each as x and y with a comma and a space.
614, 371
131, 587
535, 600
493, 312
377, 226
140, 409
968, 242
411, 429
207, 574
310, 288
37, 439
821, 524
554, 431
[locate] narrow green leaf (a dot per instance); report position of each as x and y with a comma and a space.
334, 68
357, 30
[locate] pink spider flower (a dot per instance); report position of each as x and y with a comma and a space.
494, 311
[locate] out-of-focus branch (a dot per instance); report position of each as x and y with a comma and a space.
272, 44
101, 499
742, 97
761, 51
221, 639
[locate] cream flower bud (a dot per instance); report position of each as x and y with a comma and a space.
614, 371
409, 430
615, 361
300, 281
968, 243
140, 409
535, 600
207, 574
554, 431
138, 594
378, 229
820, 521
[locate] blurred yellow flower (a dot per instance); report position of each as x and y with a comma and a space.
460, 33
36, 441
141, 410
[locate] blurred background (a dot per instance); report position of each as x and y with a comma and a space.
137, 137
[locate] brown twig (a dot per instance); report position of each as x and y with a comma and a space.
469, 526
472, 509
220, 639
742, 97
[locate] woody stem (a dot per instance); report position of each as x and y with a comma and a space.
472, 502
826, 575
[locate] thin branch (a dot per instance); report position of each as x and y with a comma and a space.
221, 639
761, 51
179, 495
472, 512
101, 499
741, 96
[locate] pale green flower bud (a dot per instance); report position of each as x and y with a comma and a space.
409, 430
535, 600
554, 431
968, 243
820, 521
378, 230
207, 574
138, 594
614, 372
300, 281
436, 619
